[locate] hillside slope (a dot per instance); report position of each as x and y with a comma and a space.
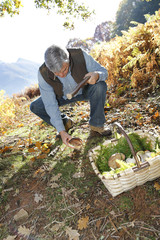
14, 77
57, 188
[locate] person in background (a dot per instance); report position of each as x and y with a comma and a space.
62, 70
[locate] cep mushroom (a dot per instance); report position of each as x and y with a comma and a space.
75, 143
112, 160
144, 155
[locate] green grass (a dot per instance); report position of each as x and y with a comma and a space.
126, 203
58, 203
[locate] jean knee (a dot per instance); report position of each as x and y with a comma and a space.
101, 87
32, 108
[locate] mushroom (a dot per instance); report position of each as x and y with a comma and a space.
130, 160
112, 160
143, 155
75, 143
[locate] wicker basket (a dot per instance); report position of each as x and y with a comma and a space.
132, 177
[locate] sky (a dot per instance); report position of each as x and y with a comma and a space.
30, 33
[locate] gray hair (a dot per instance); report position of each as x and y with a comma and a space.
55, 57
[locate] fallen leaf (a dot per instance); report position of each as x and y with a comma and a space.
16, 192
57, 226
38, 145
112, 213
88, 206
78, 175
151, 110
54, 185
66, 192
156, 115
157, 186
37, 172
20, 125
5, 149
46, 151
24, 231
42, 156
32, 159
73, 234
10, 238
38, 197
98, 223
56, 177
21, 215
114, 119
83, 222
31, 150
7, 207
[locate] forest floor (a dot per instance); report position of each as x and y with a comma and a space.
56, 189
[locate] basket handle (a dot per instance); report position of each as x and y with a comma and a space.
129, 142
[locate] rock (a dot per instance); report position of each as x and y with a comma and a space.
21, 215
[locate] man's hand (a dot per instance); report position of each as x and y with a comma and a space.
65, 137
94, 76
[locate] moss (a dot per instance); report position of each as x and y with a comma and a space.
139, 144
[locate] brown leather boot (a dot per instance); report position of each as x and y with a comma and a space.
101, 131
69, 124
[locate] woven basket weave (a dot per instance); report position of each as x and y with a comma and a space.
132, 177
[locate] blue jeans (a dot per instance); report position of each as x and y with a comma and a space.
96, 94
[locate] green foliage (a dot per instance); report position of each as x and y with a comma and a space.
135, 56
139, 144
11, 7
10, 109
131, 10
7, 111
69, 8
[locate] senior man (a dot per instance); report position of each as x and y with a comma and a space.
62, 70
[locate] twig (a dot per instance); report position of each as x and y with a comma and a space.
117, 237
93, 234
76, 213
50, 224
32, 228
155, 216
124, 228
113, 224
70, 206
104, 225
61, 233
151, 230
95, 220
67, 206
130, 224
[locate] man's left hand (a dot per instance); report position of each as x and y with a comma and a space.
94, 76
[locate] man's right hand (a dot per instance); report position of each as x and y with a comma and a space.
65, 137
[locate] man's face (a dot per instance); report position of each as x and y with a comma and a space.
64, 70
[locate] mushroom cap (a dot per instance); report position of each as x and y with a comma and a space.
144, 155
112, 160
75, 143
130, 160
